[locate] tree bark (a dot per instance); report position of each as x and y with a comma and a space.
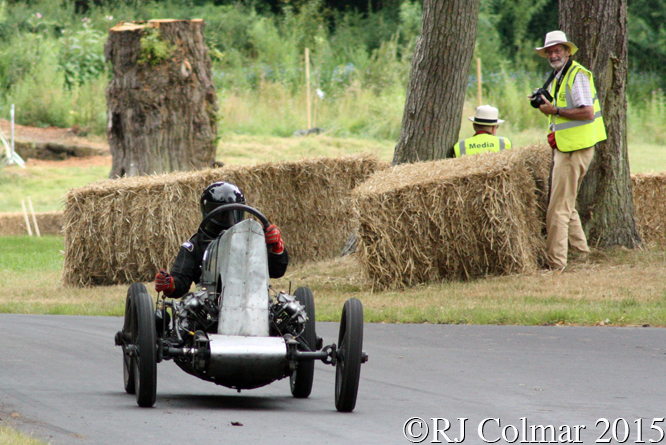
438, 80
162, 112
605, 201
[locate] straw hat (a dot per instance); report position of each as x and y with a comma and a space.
486, 115
556, 38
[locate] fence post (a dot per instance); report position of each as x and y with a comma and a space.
27, 221
34, 218
307, 84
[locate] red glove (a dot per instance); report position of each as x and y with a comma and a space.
164, 282
274, 239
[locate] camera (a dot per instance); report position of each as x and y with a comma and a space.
536, 99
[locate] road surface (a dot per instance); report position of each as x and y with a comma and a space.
61, 380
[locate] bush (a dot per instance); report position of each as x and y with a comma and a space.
81, 55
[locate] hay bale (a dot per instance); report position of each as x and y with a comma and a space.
649, 192
453, 219
123, 230
12, 224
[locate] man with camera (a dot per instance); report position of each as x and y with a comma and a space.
485, 137
575, 125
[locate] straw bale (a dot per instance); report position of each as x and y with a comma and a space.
12, 224
455, 218
649, 192
123, 230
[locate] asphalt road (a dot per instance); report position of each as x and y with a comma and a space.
61, 379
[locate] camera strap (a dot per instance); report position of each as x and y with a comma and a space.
550, 79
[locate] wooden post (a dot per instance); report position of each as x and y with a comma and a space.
478, 75
11, 151
34, 218
27, 221
314, 113
307, 84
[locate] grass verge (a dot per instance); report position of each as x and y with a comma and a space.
10, 436
601, 290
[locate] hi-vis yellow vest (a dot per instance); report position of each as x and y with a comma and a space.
480, 143
572, 135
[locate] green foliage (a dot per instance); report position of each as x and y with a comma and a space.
154, 49
647, 35
505, 32
354, 56
39, 95
19, 56
81, 56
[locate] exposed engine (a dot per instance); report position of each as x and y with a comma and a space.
196, 315
196, 312
287, 316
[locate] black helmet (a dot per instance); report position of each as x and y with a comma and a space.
215, 195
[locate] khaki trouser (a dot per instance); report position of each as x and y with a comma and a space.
562, 220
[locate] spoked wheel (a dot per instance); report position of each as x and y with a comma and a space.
349, 355
140, 368
301, 379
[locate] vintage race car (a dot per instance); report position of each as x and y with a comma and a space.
235, 330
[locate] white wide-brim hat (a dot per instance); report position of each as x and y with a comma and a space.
556, 38
486, 115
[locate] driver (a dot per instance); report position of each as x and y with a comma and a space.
187, 266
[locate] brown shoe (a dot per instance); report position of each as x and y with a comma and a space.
578, 256
555, 269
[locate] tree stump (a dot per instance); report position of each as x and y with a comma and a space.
162, 99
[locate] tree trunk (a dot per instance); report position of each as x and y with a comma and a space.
605, 201
438, 80
162, 100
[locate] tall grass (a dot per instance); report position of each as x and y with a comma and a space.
647, 117
40, 98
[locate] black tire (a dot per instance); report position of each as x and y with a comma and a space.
128, 367
301, 379
144, 337
349, 356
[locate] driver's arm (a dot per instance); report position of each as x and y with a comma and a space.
278, 259
277, 263
185, 269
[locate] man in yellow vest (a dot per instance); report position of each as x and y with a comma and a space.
485, 124
575, 125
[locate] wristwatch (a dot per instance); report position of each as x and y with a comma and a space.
557, 111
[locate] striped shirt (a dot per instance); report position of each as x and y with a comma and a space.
581, 92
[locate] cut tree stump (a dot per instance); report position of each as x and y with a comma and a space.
162, 99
